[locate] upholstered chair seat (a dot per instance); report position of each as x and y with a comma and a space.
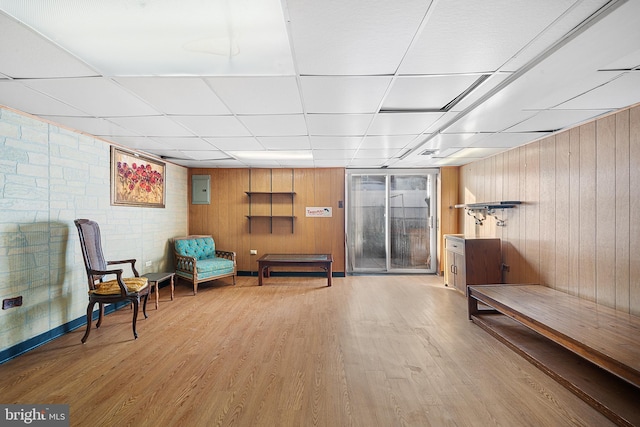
112, 287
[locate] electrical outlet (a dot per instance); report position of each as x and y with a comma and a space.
148, 263
253, 252
11, 302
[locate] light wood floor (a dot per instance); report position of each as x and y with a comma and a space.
368, 351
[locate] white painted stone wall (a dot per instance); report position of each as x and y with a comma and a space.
50, 176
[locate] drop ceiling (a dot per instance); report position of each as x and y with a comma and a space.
332, 83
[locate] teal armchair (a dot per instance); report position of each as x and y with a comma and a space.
198, 260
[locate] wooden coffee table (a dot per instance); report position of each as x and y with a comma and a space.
156, 278
324, 261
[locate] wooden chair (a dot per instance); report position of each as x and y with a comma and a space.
110, 291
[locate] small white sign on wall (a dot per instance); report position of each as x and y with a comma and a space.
320, 212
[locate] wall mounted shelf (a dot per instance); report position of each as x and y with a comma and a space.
480, 211
270, 195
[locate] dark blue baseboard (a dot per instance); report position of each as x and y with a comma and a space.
37, 341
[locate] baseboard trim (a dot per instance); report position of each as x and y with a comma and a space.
45, 337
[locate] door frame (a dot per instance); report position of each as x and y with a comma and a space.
432, 220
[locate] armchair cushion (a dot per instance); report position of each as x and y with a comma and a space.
213, 267
198, 247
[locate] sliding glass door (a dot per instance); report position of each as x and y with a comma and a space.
390, 225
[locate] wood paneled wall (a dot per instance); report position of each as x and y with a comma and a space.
578, 229
448, 182
226, 217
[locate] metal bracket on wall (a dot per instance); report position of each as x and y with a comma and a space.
480, 211
477, 214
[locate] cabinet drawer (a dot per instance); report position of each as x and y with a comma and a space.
454, 245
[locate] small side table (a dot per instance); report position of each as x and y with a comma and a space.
156, 278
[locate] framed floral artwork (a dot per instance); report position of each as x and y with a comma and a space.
136, 180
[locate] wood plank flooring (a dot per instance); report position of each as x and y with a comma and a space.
368, 351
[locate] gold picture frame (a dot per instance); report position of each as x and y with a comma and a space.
136, 180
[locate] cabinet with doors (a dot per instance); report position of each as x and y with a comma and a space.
471, 261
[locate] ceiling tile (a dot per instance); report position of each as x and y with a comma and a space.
618, 93
30, 101
213, 126
485, 119
481, 90
573, 89
138, 142
367, 162
563, 25
204, 154
506, 139
36, 56
573, 64
482, 38
242, 143
447, 152
335, 142
333, 163
417, 159
338, 124
275, 125
379, 153
361, 37
552, 120
426, 92
333, 154
601, 44
177, 157
258, 95
387, 141
262, 163
183, 143
92, 126
477, 152
176, 95
190, 37
96, 96
152, 126
627, 62
344, 94
285, 142
410, 162
454, 161
402, 123
296, 163
447, 140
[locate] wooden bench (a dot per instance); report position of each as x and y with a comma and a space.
541, 324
